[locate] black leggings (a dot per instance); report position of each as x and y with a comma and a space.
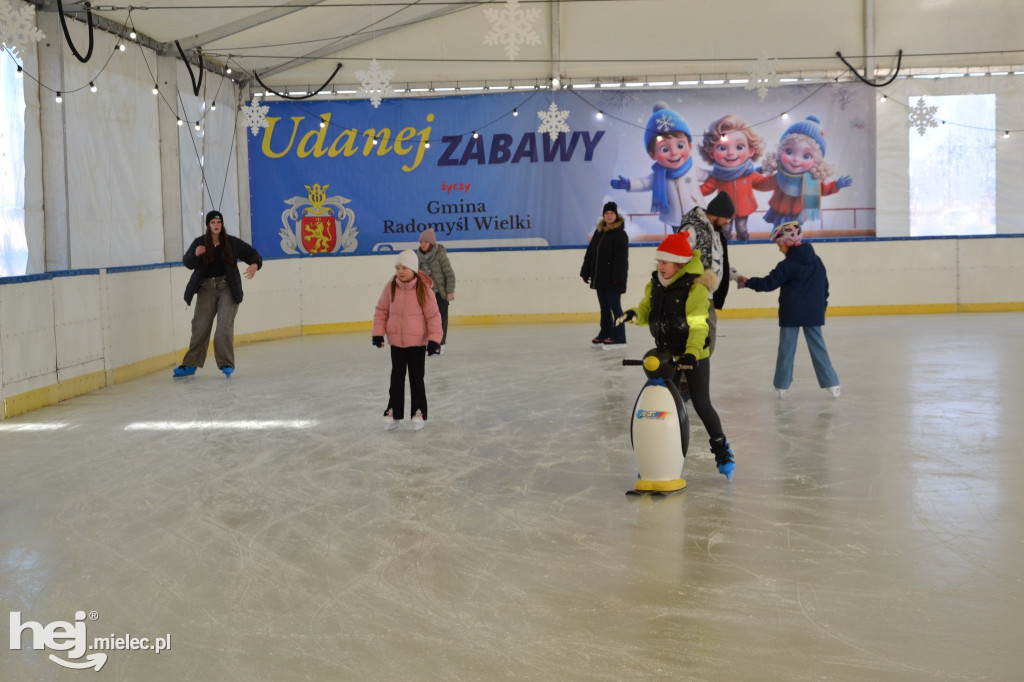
413, 358
699, 380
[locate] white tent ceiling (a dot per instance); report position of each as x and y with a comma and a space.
296, 44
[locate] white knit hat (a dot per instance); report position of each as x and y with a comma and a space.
408, 259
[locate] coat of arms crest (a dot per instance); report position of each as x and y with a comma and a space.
317, 224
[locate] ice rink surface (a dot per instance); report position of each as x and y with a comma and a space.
272, 528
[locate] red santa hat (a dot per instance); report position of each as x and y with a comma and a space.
675, 248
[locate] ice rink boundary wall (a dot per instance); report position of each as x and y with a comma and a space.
68, 333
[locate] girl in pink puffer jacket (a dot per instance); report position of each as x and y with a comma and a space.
407, 313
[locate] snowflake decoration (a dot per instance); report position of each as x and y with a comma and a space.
254, 116
763, 75
553, 121
375, 82
922, 117
622, 100
18, 25
511, 27
664, 123
842, 95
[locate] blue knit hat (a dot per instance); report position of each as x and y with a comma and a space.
662, 121
811, 127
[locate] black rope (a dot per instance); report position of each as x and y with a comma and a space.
196, 84
67, 36
899, 60
296, 97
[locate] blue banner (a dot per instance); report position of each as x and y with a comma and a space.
535, 169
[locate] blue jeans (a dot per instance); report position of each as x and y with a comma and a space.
611, 309
819, 357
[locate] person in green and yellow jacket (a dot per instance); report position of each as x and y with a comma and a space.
675, 308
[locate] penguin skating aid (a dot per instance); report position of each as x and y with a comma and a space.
660, 428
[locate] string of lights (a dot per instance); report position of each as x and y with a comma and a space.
573, 86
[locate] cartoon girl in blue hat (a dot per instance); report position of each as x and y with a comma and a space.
798, 174
673, 190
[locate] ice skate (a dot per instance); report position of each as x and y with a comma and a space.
723, 456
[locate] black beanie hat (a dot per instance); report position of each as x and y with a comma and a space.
213, 214
611, 206
721, 206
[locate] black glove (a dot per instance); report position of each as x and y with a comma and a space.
433, 348
378, 341
687, 361
627, 316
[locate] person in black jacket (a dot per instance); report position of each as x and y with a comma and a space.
605, 267
213, 260
802, 303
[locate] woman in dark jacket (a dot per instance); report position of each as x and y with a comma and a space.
605, 267
213, 260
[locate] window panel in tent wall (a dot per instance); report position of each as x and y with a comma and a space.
209, 178
952, 167
894, 156
113, 156
13, 245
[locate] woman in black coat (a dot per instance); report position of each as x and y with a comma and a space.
605, 267
213, 260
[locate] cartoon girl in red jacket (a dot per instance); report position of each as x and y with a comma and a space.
800, 172
731, 146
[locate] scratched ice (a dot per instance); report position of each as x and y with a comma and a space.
272, 528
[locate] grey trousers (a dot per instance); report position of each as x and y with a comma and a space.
214, 300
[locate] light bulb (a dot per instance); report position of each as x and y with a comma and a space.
133, 35
213, 107
515, 112
427, 145
323, 123
18, 72
884, 98
228, 71
59, 99
180, 122
785, 115
156, 90
1006, 134
475, 135
723, 138
600, 115
120, 46
92, 86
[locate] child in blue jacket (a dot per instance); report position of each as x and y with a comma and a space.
802, 302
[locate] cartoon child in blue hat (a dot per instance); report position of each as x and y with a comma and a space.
798, 175
673, 190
